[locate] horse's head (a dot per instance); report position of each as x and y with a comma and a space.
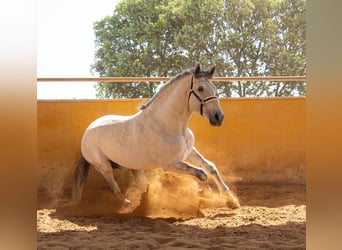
202, 96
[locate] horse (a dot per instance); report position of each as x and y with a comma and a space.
157, 136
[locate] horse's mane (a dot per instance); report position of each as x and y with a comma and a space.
194, 71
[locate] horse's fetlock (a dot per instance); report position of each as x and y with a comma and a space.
213, 171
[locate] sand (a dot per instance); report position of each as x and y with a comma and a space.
172, 215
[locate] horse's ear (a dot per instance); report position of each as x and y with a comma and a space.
197, 68
212, 70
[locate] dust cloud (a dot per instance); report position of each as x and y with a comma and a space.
154, 194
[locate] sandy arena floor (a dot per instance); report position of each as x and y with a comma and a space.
270, 217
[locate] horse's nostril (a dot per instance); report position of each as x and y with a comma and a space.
216, 119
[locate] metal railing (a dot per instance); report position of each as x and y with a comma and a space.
162, 79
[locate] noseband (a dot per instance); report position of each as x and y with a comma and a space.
200, 99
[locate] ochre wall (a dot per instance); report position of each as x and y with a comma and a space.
260, 140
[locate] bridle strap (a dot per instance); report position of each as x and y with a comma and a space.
201, 100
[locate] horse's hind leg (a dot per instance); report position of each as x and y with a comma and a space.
105, 168
140, 179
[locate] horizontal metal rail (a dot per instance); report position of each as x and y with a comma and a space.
164, 79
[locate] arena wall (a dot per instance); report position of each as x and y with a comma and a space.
261, 139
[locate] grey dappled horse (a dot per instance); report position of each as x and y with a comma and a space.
156, 136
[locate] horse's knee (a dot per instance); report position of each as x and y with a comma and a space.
200, 174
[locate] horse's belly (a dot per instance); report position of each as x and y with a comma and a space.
129, 153
142, 165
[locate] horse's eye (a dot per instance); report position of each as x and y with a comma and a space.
200, 88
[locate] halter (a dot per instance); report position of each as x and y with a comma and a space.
201, 100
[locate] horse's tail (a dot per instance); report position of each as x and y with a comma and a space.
80, 176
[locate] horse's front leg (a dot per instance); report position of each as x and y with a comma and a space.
182, 167
197, 159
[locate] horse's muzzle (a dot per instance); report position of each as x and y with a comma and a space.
216, 118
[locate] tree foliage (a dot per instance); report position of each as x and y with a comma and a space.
241, 37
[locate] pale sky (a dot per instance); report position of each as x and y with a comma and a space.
65, 44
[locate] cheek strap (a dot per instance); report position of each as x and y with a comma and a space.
201, 100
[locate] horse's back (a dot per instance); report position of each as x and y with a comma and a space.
108, 120
106, 128
117, 138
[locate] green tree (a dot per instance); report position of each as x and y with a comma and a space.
286, 55
256, 41
241, 37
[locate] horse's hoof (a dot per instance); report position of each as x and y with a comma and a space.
200, 174
232, 205
233, 202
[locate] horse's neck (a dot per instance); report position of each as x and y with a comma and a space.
171, 108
